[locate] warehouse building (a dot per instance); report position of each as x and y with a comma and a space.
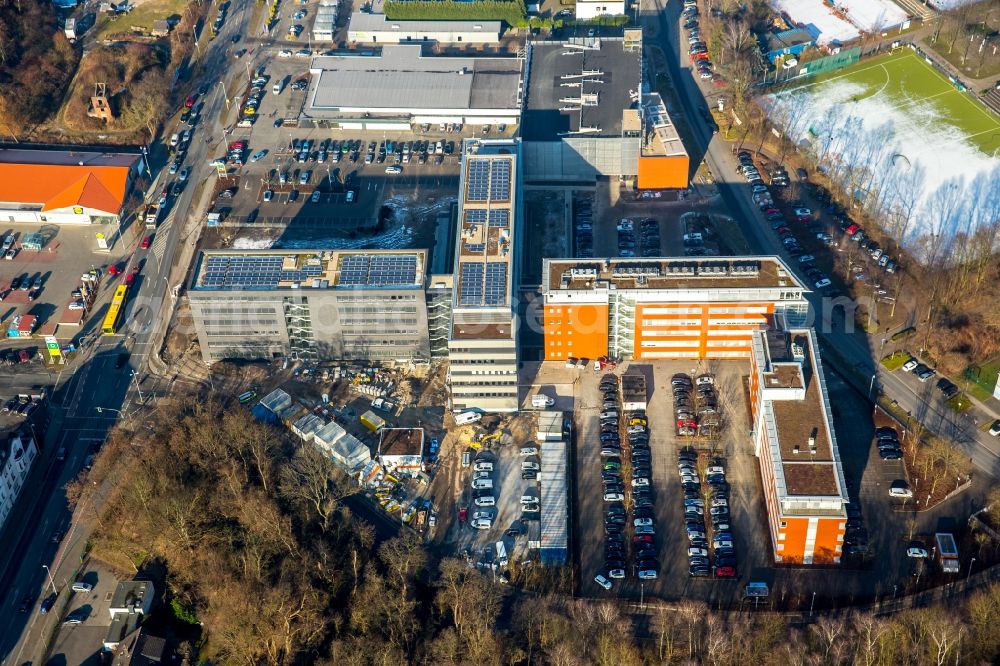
398, 87
482, 346
586, 116
368, 28
796, 446
311, 304
665, 308
65, 187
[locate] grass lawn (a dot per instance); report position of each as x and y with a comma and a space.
907, 79
983, 378
991, 66
142, 17
959, 403
895, 360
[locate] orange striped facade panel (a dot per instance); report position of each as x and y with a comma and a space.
663, 172
829, 538
698, 330
791, 549
575, 330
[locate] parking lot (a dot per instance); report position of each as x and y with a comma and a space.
46, 279
82, 643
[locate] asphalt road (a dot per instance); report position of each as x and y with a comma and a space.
95, 381
983, 450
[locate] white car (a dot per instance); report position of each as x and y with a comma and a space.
284, 53
920, 553
614, 497
689, 478
602, 581
909, 365
481, 475
485, 500
697, 552
529, 466
393, 170
694, 510
80, 586
822, 283
642, 522
77, 305
900, 489
482, 515
268, 195
529, 451
720, 502
806, 258
617, 573
482, 524
722, 544
648, 574
640, 481
704, 379
715, 469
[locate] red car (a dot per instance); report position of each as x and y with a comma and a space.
852, 229
130, 278
643, 538
463, 515
725, 572
114, 270
146, 242
23, 357
189, 102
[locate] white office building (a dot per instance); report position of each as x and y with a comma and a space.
17, 456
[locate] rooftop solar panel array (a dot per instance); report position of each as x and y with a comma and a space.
378, 270
477, 184
260, 272
495, 291
475, 216
471, 284
500, 180
500, 217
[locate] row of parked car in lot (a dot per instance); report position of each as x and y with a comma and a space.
644, 241
633, 477
723, 548
396, 152
697, 47
695, 412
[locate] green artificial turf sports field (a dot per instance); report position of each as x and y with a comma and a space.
907, 80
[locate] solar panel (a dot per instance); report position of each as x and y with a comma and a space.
378, 270
475, 216
495, 291
500, 180
477, 180
500, 218
471, 284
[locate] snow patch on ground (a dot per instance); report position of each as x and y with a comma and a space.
825, 26
253, 243
945, 5
902, 150
873, 15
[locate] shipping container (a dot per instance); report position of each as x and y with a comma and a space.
372, 421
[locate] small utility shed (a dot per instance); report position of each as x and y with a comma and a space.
271, 405
401, 450
347, 452
307, 426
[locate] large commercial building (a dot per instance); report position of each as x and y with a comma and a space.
263, 304
590, 9
665, 308
65, 187
482, 346
398, 87
796, 447
17, 455
586, 116
371, 28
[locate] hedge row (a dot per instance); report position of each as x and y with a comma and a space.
510, 11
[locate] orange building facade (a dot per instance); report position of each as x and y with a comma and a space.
663, 308
796, 446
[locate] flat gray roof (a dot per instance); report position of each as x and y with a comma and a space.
599, 70
66, 157
367, 22
402, 78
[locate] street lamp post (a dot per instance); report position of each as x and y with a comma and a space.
49, 572
812, 604
135, 378
969, 575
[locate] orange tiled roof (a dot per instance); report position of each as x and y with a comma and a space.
58, 186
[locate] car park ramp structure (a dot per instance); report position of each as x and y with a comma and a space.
554, 479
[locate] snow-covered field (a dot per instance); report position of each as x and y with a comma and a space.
822, 24
896, 155
827, 27
873, 15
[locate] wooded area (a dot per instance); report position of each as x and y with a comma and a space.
256, 545
36, 63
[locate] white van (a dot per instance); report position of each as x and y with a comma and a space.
485, 500
542, 401
174, 140
501, 554
483, 466
464, 418
528, 499
482, 484
278, 86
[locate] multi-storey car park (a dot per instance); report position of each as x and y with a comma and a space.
311, 304
482, 346
796, 446
665, 307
